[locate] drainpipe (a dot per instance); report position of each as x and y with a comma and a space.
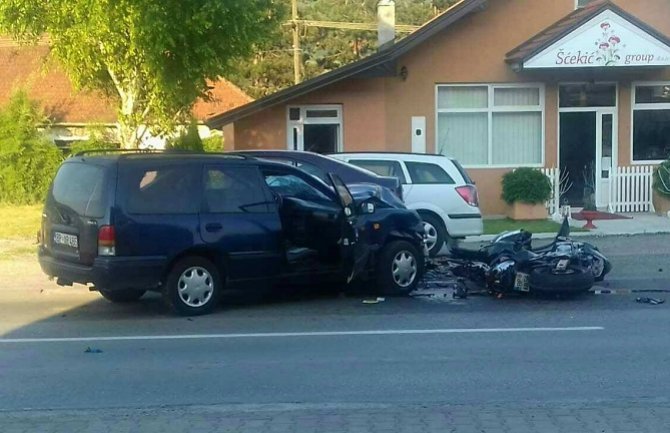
385, 23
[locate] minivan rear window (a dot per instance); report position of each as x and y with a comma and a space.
82, 188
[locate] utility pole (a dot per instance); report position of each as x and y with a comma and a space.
296, 24
297, 52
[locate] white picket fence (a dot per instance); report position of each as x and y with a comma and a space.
554, 177
631, 189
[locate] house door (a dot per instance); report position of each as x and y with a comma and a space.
315, 128
586, 150
587, 142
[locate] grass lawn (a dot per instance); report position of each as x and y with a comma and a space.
18, 230
492, 227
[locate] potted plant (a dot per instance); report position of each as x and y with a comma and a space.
661, 195
526, 191
589, 211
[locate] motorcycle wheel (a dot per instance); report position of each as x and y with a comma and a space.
574, 280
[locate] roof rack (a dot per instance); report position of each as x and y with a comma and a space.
90, 151
162, 151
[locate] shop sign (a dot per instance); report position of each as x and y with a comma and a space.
607, 40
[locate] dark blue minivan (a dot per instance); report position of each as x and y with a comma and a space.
189, 224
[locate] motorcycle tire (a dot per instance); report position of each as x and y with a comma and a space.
544, 280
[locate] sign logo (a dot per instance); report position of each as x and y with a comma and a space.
608, 46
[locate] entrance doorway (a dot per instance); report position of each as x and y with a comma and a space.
315, 128
587, 143
577, 156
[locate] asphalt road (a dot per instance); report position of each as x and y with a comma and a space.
307, 352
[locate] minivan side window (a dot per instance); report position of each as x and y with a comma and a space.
426, 173
233, 190
164, 189
381, 167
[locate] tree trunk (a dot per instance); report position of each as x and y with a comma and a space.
127, 132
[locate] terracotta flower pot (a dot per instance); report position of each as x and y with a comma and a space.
589, 215
525, 211
661, 203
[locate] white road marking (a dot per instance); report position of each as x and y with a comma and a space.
299, 334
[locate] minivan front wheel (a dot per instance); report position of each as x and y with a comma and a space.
399, 268
193, 286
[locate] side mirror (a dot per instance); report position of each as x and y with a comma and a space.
368, 208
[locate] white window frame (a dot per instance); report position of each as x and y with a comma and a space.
634, 106
304, 120
579, 7
491, 109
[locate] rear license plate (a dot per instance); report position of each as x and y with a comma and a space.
66, 239
521, 282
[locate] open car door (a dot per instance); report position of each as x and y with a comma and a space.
354, 253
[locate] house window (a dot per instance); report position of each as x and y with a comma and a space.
651, 122
581, 3
491, 125
315, 128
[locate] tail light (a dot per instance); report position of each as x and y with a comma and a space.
106, 241
469, 194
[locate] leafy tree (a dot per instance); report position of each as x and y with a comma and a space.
28, 158
153, 56
324, 49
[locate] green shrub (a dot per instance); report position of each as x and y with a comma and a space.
28, 158
662, 179
92, 143
213, 143
526, 185
188, 140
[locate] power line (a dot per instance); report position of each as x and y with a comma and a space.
296, 23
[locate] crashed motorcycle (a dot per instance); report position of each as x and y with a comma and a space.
509, 263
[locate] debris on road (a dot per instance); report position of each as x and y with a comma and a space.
374, 301
651, 301
89, 349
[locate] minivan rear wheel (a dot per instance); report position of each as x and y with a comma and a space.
122, 296
435, 233
193, 286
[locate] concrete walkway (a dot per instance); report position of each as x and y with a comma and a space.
639, 224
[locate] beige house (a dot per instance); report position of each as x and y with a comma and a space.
575, 87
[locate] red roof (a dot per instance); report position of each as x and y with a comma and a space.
29, 68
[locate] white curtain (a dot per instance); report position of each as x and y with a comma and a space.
464, 136
462, 97
517, 138
516, 97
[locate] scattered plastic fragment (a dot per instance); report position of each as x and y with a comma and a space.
652, 301
92, 350
374, 301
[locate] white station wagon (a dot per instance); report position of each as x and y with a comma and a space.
435, 186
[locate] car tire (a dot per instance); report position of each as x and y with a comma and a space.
542, 280
435, 232
399, 269
193, 287
122, 296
